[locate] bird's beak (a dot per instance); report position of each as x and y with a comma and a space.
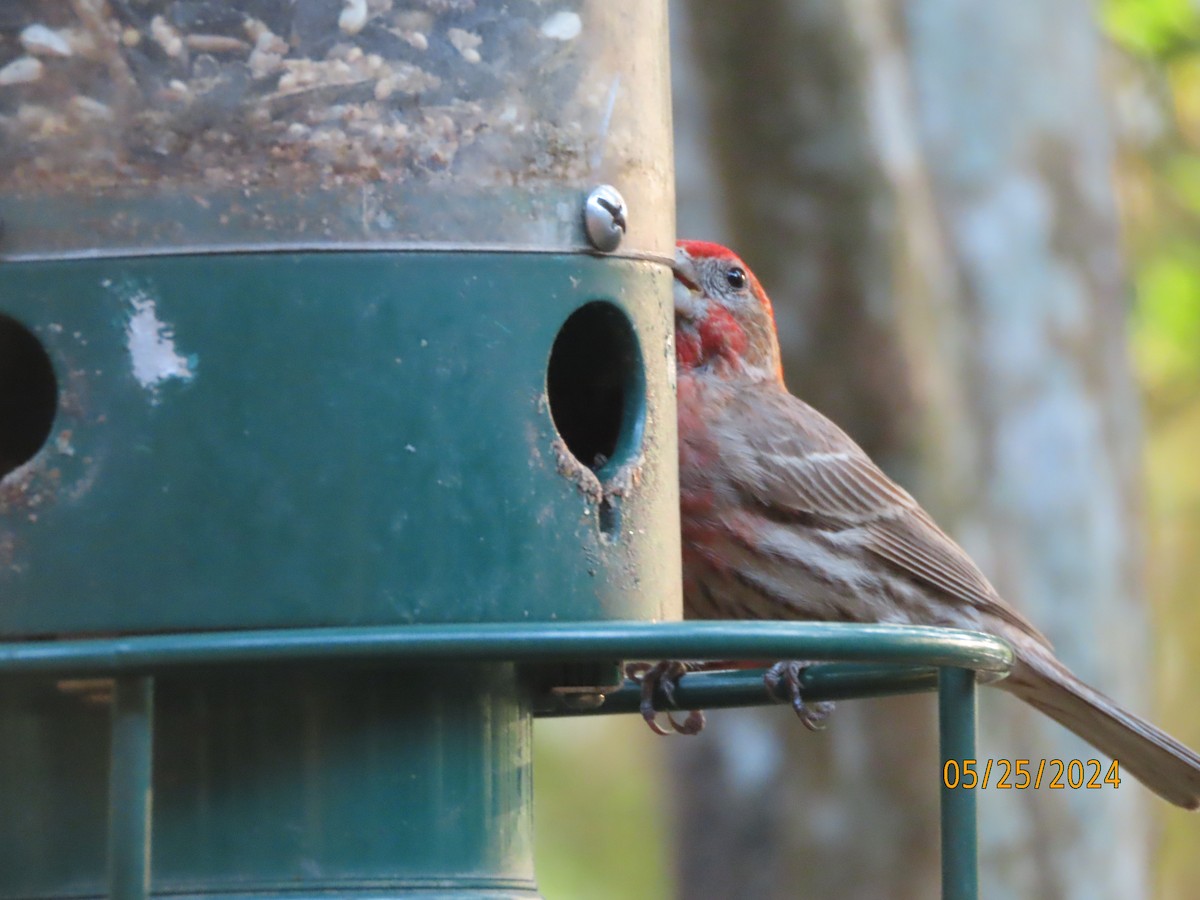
685, 270
686, 282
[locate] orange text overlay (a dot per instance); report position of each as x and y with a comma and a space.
1021, 774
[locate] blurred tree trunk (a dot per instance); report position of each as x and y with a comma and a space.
924, 188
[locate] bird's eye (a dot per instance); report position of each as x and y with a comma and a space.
736, 278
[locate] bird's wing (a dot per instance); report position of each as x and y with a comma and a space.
809, 470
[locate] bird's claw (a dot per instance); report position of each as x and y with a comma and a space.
663, 676
782, 681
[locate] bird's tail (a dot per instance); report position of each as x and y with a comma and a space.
1152, 756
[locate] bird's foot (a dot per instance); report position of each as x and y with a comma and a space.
782, 681
663, 676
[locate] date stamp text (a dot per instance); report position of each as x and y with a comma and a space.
1023, 774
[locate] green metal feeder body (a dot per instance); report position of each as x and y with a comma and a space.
311, 315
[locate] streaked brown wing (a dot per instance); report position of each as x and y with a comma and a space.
809, 469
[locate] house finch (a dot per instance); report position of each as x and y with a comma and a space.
785, 517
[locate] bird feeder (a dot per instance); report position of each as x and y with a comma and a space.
320, 314
337, 440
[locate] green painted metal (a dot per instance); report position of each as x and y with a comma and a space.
956, 731
522, 642
130, 791
54, 777
347, 781
281, 440
314, 443
745, 687
364, 761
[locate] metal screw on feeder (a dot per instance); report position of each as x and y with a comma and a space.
604, 217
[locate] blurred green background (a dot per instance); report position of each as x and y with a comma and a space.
1157, 96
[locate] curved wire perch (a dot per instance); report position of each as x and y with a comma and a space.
526, 642
744, 687
874, 659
